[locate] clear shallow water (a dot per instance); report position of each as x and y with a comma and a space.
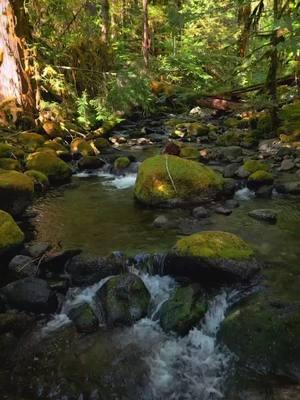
98, 215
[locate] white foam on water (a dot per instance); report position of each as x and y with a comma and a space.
244, 194
122, 182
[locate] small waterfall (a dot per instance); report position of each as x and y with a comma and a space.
118, 182
244, 194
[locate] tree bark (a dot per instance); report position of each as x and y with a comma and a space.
105, 21
146, 34
15, 83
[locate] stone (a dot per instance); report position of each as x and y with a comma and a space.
242, 173
84, 318
200, 212
16, 191
56, 170
85, 271
190, 182
37, 249
231, 204
160, 221
183, 310
230, 170
124, 299
172, 148
212, 258
121, 163
15, 322
55, 261
264, 215
90, 162
264, 192
40, 180
223, 210
30, 294
288, 188
260, 178
230, 153
287, 165
22, 266
11, 235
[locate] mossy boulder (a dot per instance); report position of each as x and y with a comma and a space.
167, 179
81, 146
6, 150
40, 180
184, 309
231, 122
10, 234
16, 191
53, 129
212, 257
84, 318
56, 170
189, 152
124, 298
231, 138
264, 334
54, 145
10, 164
252, 166
30, 140
101, 143
121, 163
260, 178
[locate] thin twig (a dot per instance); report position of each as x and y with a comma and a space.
169, 174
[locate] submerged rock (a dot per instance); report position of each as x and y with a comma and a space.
11, 235
183, 310
264, 215
167, 179
16, 191
124, 299
30, 294
212, 258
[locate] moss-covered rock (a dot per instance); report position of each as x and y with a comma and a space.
40, 180
252, 166
191, 129
167, 179
10, 234
183, 310
189, 152
124, 298
212, 258
10, 164
290, 117
30, 141
101, 143
49, 164
121, 163
231, 122
264, 334
84, 318
6, 150
16, 190
260, 178
53, 129
54, 145
81, 146
214, 244
231, 138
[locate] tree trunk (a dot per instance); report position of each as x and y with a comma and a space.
273, 69
15, 84
105, 21
146, 33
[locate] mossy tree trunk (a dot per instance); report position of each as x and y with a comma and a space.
146, 33
15, 85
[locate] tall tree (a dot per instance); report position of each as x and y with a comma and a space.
146, 33
15, 83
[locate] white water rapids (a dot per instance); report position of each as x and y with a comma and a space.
181, 368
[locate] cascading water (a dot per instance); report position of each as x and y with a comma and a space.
185, 368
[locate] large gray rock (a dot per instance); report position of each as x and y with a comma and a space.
288, 188
264, 215
22, 266
85, 271
30, 294
124, 299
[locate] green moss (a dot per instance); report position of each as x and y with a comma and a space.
121, 163
14, 180
30, 141
229, 139
10, 164
82, 147
261, 175
5, 150
183, 310
263, 125
214, 244
189, 152
10, 234
231, 122
255, 165
191, 129
54, 145
290, 117
38, 177
49, 164
101, 143
188, 179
